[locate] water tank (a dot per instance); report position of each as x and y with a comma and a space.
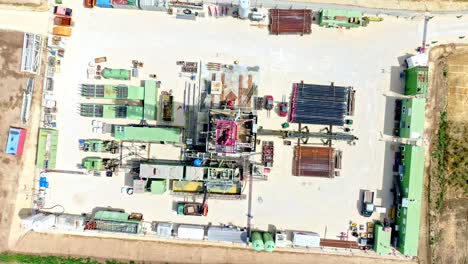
44, 223
268, 241
244, 9
257, 241
197, 162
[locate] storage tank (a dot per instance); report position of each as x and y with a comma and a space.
44, 223
269, 242
153, 5
244, 9
28, 222
257, 241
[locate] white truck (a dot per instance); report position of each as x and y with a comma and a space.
367, 203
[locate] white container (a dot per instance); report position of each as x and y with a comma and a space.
191, 232
417, 60
27, 223
44, 223
164, 230
306, 239
244, 9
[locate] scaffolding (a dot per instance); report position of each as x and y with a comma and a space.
32, 53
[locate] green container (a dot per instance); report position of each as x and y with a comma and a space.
269, 242
118, 74
257, 241
285, 125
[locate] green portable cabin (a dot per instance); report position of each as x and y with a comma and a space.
93, 163
416, 80
413, 112
147, 134
47, 148
382, 238
409, 211
150, 103
340, 18
93, 145
158, 186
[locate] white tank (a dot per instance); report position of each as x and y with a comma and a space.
27, 223
244, 9
44, 223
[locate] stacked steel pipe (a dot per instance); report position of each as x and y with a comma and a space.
290, 21
319, 104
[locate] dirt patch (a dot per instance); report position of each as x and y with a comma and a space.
174, 252
12, 85
447, 116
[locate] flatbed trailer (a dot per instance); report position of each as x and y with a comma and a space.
168, 108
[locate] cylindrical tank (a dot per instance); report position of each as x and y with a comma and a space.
244, 9
268, 241
257, 241
44, 223
197, 162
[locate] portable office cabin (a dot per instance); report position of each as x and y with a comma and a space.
409, 211
382, 237
340, 18
150, 101
15, 141
416, 80
47, 149
412, 118
147, 134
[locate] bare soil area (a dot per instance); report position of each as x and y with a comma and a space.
173, 252
448, 207
12, 85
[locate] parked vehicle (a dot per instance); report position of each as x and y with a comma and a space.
63, 11
367, 203
197, 209
90, 3
269, 102
283, 107
62, 21
62, 31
